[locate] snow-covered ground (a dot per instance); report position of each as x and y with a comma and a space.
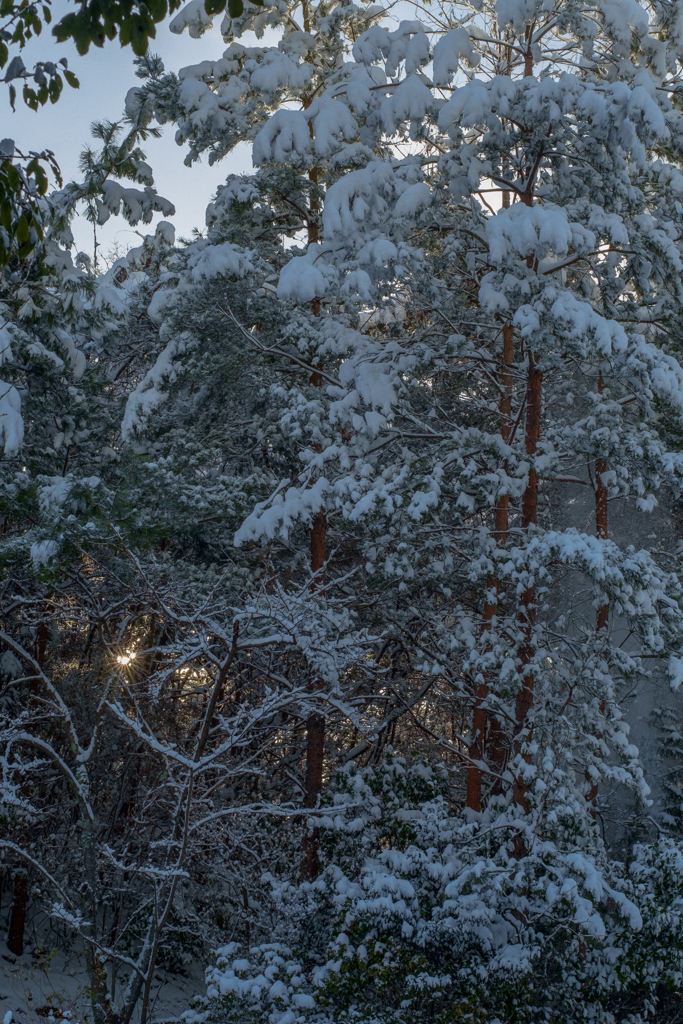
36, 987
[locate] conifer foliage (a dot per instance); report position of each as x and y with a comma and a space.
363, 557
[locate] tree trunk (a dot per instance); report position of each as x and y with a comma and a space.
497, 736
17, 918
315, 726
477, 749
525, 696
99, 995
318, 538
42, 636
315, 756
97, 975
601, 516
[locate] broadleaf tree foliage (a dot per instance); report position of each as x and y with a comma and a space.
341, 541
24, 177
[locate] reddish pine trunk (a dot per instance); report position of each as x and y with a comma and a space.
41, 642
315, 754
17, 919
497, 752
318, 538
497, 737
314, 209
525, 696
477, 749
315, 726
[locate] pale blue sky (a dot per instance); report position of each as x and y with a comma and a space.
105, 76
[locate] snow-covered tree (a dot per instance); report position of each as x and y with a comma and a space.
138, 733
411, 409
116, 677
493, 271
485, 318
419, 916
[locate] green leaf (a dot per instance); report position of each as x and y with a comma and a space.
47, 15
6, 7
142, 30
139, 38
126, 31
6, 215
22, 229
71, 79
158, 9
66, 28
55, 87
12, 96
13, 177
31, 99
39, 174
235, 8
213, 7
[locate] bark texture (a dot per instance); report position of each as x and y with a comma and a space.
17, 917
525, 697
493, 744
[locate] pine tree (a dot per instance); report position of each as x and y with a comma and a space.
492, 300
388, 440
520, 306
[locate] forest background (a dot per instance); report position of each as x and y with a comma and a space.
342, 620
